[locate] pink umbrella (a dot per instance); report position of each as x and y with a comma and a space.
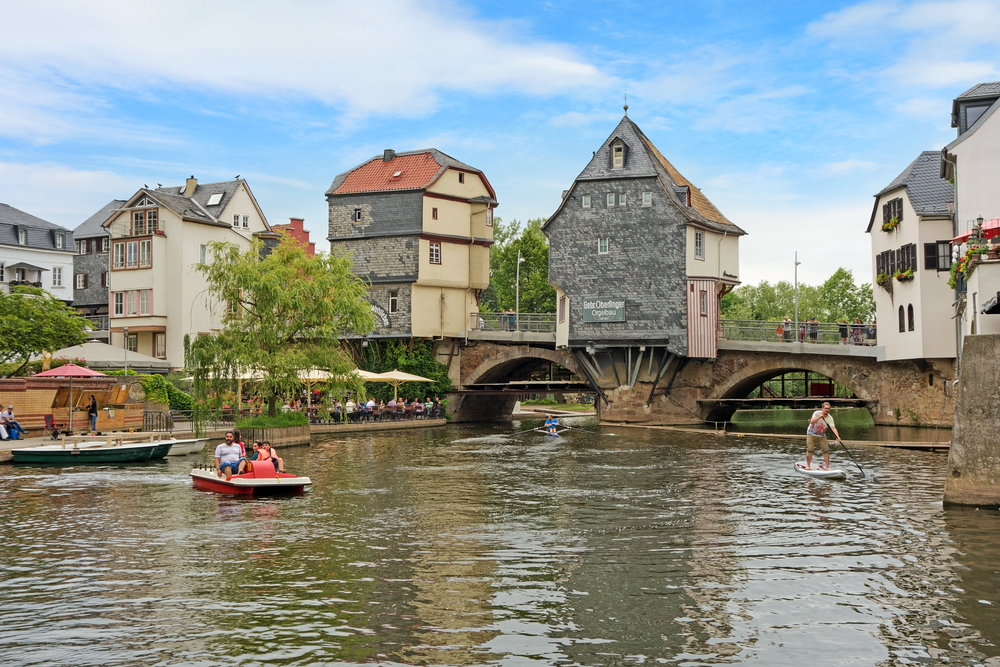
70, 371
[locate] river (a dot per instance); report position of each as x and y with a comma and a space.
455, 546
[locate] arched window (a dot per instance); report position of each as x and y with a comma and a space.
909, 316
902, 320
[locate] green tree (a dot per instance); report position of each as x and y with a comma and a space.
537, 296
282, 314
842, 298
32, 322
839, 297
415, 357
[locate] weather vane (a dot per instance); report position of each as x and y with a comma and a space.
626, 103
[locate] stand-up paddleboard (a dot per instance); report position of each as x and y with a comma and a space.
820, 473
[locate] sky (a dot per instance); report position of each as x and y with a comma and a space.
789, 116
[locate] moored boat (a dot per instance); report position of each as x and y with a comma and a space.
188, 446
86, 450
260, 480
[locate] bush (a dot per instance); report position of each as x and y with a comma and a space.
280, 420
159, 390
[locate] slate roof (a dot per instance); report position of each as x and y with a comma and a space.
202, 194
40, 232
981, 90
644, 160
419, 169
93, 227
929, 194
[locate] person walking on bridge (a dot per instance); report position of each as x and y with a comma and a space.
816, 435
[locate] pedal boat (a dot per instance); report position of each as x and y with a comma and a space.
260, 480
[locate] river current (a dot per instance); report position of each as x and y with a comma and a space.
457, 546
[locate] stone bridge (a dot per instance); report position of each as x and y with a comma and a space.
651, 385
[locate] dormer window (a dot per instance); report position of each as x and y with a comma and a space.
59, 241
22, 237
618, 155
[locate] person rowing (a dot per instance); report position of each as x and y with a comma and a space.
820, 421
551, 424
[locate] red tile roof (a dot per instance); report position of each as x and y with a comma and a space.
417, 171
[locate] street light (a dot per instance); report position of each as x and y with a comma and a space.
797, 262
517, 294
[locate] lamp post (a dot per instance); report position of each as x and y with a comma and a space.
126, 352
517, 294
797, 262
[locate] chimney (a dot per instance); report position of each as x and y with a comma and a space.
192, 183
388, 155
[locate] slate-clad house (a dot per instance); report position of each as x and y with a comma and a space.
91, 265
638, 255
420, 225
35, 252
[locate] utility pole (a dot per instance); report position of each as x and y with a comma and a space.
797, 262
126, 352
517, 294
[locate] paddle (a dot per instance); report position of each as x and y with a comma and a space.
852, 457
580, 429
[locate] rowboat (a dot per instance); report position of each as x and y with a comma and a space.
820, 473
550, 434
261, 480
189, 446
87, 450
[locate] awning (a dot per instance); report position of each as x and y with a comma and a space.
990, 229
26, 267
991, 307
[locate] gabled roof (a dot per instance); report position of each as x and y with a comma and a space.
977, 92
929, 194
196, 207
94, 225
203, 194
417, 170
644, 160
39, 232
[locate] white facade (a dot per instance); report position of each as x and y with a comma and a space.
57, 280
155, 288
983, 284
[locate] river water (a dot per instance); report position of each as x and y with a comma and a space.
455, 546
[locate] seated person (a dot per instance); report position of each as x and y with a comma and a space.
229, 459
418, 408
267, 453
551, 423
14, 429
255, 448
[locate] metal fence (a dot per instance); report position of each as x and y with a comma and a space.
534, 322
820, 333
98, 322
155, 420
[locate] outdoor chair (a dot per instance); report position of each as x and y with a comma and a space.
52, 428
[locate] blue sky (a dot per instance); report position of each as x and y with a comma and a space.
789, 116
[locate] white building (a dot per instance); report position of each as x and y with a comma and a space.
911, 231
972, 161
35, 252
156, 241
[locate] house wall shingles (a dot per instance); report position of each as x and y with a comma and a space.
92, 264
388, 213
399, 322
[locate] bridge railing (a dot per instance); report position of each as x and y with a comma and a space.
533, 322
821, 333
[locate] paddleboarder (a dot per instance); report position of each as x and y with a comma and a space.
816, 435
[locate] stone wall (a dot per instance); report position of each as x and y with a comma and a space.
382, 214
974, 457
399, 322
94, 296
645, 263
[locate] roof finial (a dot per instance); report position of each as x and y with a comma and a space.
626, 104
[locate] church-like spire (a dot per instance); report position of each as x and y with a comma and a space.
626, 104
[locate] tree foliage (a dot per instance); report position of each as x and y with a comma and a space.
537, 296
839, 297
382, 356
33, 322
281, 314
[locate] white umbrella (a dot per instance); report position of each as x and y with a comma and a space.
396, 378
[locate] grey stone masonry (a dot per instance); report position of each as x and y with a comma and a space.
382, 214
645, 263
399, 321
93, 297
384, 259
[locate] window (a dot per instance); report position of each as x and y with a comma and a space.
145, 253
908, 257
611, 199
357, 215
435, 257
621, 199
699, 244
909, 317
131, 254
59, 241
236, 219
461, 177
937, 256
118, 261
893, 209
393, 301
647, 198
434, 214
602, 246
202, 252
104, 279
160, 345
57, 276
118, 299
972, 114
3, 277
562, 310
586, 201
130, 303
144, 301
215, 199
246, 222
489, 217
703, 300
902, 320
104, 244
81, 281
152, 222
133, 342
22, 237
138, 223
618, 159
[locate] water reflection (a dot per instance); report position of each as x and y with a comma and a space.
457, 547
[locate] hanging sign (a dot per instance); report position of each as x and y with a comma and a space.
604, 309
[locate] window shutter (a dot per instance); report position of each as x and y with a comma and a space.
885, 213
85, 276
930, 256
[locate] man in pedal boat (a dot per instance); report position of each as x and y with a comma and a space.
551, 424
229, 457
816, 435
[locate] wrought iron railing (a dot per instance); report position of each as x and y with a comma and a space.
820, 333
155, 420
98, 322
532, 322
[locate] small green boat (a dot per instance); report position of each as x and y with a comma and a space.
94, 451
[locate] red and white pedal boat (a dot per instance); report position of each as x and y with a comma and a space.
261, 480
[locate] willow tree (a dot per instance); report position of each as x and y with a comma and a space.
281, 314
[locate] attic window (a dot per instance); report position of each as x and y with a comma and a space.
461, 177
618, 156
397, 175
357, 215
215, 199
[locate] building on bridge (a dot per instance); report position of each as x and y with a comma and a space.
911, 229
420, 224
638, 255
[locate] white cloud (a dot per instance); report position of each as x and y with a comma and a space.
60, 194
